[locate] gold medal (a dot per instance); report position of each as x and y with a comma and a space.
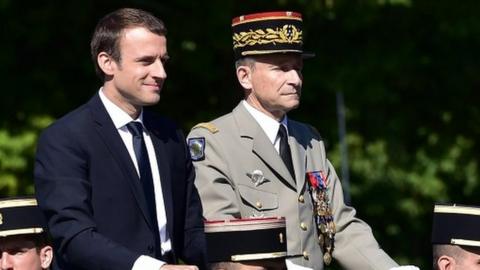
327, 258
323, 228
321, 240
332, 228
323, 214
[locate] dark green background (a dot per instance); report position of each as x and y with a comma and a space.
409, 71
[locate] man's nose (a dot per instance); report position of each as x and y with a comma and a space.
158, 70
295, 77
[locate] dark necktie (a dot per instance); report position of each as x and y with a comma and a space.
136, 129
285, 153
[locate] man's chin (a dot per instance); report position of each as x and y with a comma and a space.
150, 102
293, 105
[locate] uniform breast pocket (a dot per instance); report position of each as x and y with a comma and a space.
257, 202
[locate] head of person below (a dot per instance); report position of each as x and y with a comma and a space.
24, 244
254, 244
456, 237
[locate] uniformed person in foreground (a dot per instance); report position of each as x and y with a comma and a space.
257, 162
24, 244
247, 244
456, 237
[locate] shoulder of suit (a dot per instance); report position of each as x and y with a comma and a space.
208, 126
313, 129
303, 126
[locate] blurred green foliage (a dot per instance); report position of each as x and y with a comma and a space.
17, 156
408, 70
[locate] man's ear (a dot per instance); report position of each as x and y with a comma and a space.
46, 257
106, 63
446, 263
244, 76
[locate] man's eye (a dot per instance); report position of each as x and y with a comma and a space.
146, 62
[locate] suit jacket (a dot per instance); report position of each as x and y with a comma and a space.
236, 146
87, 186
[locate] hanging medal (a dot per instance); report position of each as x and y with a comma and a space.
322, 213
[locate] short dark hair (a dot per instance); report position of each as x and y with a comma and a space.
106, 37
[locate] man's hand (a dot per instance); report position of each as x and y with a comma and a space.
178, 267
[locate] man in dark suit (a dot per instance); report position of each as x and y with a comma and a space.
115, 181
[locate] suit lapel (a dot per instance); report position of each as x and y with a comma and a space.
262, 146
115, 145
161, 152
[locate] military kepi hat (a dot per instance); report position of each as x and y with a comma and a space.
267, 33
240, 240
456, 225
20, 216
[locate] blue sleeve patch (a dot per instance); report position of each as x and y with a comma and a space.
197, 148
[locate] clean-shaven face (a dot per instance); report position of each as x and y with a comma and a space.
276, 81
18, 253
139, 76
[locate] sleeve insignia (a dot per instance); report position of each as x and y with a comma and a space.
197, 148
209, 126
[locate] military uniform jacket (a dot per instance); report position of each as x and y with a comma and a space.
236, 146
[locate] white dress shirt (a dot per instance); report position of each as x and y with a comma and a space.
120, 119
269, 125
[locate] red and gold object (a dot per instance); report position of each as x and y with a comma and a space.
267, 33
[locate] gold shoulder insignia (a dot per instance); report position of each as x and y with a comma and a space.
209, 126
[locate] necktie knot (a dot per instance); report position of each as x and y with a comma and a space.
282, 132
135, 128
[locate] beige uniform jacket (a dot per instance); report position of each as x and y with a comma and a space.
236, 146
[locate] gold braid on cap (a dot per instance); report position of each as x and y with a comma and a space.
286, 34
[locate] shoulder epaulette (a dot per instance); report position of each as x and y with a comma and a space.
208, 126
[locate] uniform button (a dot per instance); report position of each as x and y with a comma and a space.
259, 205
305, 255
301, 199
303, 226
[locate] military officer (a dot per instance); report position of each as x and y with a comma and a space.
257, 162
456, 237
24, 243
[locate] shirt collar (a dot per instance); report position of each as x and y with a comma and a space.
269, 125
119, 117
